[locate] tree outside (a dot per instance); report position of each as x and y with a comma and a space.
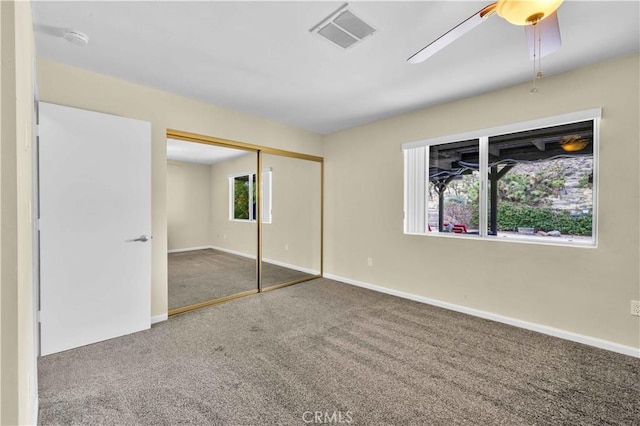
551, 195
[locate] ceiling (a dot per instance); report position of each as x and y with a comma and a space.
261, 59
190, 152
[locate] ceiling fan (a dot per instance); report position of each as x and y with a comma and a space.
538, 16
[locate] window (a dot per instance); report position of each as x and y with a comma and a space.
530, 181
243, 197
454, 188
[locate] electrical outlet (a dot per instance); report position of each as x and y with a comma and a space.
369, 261
635, 308
286, 247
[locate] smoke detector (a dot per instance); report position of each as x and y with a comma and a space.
343, 28
76, 37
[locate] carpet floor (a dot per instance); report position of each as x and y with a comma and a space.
200, 275
321, 351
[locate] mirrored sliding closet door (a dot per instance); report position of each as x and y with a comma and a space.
211, 216
292, 223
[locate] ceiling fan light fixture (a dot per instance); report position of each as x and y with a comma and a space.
573, 143
522, 12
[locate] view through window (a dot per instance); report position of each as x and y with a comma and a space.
539, 185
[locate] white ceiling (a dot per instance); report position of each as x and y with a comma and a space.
260, 58
193, 152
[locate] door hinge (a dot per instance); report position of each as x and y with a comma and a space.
39, 316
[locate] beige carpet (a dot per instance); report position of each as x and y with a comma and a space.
326, 347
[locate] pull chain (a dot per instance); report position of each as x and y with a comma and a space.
537, 53
539, 74
534, 89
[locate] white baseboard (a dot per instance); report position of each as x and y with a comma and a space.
237, 253
159, 318
294, 267
551, 331
251, 256
180, 250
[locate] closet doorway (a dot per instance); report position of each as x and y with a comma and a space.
241, 219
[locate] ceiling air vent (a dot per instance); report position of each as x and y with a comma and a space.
343, 28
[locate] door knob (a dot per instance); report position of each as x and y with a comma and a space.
141, 238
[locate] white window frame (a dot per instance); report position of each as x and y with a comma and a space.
483, 136
266, 200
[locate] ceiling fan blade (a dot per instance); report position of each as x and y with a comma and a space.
550, 40
452, 35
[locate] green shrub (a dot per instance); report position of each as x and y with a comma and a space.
510, 217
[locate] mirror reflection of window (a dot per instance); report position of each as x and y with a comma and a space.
243, 195
243, 190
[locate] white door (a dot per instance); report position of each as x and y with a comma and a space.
95, 226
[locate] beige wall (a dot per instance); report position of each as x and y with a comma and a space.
17, 355
188, 205
585, 291
293, 236
78, 88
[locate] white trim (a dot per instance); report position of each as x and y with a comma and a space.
482, 136
553, 242
180, 250
250, 256
159, 318
556, 120
294, 267
595, 184
35, 409
235, 175
544, 329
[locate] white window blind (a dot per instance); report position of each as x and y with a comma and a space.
416, 166
266, 195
